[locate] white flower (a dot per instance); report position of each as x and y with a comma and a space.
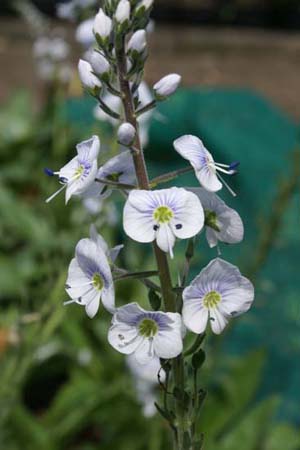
146, 382
66, 11
166, 86
78, 175
56, 49
146, 334
123, 11
89, 277
102, 24
191, 148
84, 33
138, 41
222, 223
126, 134
99, 63
162, 215
218, 293
88, 79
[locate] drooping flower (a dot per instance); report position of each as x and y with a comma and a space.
79, 174
146, 382
146, 334
90, 278
222, 223
119, 169
162, 215
217, 294
166, 86
111, 253
206, 169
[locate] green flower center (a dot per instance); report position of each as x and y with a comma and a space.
114, 176
163, 214
211, 220
148, 328
211, 299
79, 171
98, 282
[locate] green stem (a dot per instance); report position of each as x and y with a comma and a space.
170, 176
161, 258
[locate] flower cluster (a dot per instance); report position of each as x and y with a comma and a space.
113, 76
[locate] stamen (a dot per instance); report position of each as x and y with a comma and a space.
69, 302
125, 343
155, 227
178, 226
226, 185
67, 286
56, 193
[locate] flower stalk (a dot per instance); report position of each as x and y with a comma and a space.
168, 295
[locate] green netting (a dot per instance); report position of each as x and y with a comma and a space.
240, 125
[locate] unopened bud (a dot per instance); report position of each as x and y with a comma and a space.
144, 5
102, 25
88, 79
99, 64
166, 86
123, 11
126, 134
138, 41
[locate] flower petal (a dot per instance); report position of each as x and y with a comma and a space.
186, 224
217, 320
232, 228
191, 148
124, 338
195, 315
208, 178
137, 217
165, 239
92, 307
89, 149
77, 282
168, 343
108, 298
144, 353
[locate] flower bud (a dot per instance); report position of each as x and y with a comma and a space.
138, 41
99, 64
144, 5
126, 134
166, 86
123, 11
88, 79
102, 25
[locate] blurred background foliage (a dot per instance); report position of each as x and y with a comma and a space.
61, 385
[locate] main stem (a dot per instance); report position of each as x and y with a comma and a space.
161, 258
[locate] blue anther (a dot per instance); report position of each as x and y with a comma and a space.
49, 172
234, 165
